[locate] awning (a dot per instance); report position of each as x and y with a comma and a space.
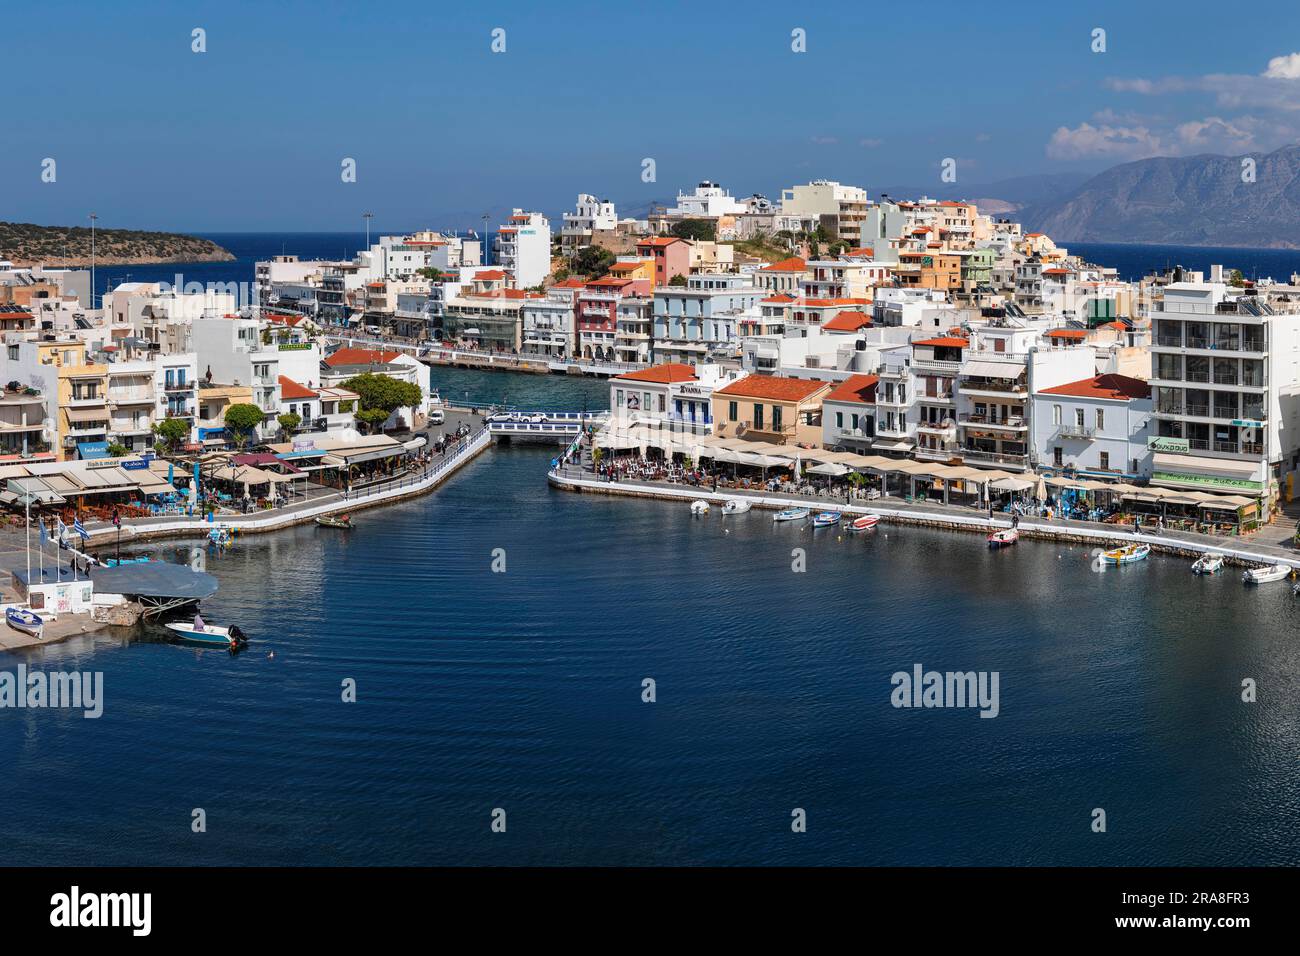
92, 450
1204, 466
1011, 484
97, 413
347, 458
832, 468
992, 370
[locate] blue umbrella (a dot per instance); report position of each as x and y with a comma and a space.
196, 478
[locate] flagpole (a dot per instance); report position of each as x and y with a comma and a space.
28, 499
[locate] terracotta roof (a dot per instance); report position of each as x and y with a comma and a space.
659, 241
774, 387
945, 340
855, 388
780, 298
793, 264
490, 274
347, 356
1119, 387
291, 390
626, 266
1075, 334
663, 374
1117, 325
848, 321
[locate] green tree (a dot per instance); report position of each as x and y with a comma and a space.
289, 421
117, 449
170, 433
677, 280
696, 229
1236, 279
433, 274
382, 393
593, 260
241, 420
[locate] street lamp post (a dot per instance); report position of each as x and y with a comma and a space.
93, 219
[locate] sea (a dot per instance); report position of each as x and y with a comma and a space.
611, 681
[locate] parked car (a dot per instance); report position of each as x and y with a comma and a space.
436, 416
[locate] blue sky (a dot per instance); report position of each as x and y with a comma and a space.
250, 134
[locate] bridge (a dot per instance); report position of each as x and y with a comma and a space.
434, 354
544, 426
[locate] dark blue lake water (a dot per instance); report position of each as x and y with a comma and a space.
522, 690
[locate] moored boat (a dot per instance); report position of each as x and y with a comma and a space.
865, 523
1127, 554
335, 521
21, 619
1208, 564
791, 514
699, 507
825, 519
1266, 575
736, 506
1003, 538
199, 632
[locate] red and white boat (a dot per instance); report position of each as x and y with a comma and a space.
1004, 538
865, 523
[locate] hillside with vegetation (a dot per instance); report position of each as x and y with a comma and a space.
24, 243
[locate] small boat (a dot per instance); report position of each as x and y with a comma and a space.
825, 519
791, 514
736, 506
1208, 564
1266, 575
21, 619
1127, 554
332, 521
865, 523
1004, 538
197, 632
699, 508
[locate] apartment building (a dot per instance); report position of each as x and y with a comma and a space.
1226, 372
849, 414
700, 318
1098, 426
523, 248
840, 210
590, 216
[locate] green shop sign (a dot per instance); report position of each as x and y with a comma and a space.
1175, 478
294, 346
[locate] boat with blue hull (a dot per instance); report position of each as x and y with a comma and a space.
28, 622
209, 635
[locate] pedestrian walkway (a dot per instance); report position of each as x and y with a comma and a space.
1270, 546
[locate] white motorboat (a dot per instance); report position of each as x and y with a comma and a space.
699, 508
199, 632
791, 514
1003, 538
1208, 564
1266, 575
736, 506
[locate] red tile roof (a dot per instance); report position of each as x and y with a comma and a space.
487, 274
945, 340
856, 388
663, 374
780, 298
292, 390
348, 356
1077, 335
793, 264
774, 388
1119, 387
660, 241
848, 321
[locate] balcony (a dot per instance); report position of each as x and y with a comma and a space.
996, 458
1076, 432
1010, 423
936, 365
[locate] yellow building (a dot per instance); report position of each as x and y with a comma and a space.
771, 408
82, 396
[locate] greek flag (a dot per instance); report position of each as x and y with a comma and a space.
62, 529
79, 528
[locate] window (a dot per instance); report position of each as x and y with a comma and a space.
618, 397
758, 415
1101, 420
1105, 461
1056, 414
732, 413
776, 418
1078, 417
839, 419
13, 353
1057, 458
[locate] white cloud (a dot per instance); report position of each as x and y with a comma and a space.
1284, 67
1086, 141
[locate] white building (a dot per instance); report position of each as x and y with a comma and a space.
591, 215
524, 248
1097, 426
840, 210
709, 201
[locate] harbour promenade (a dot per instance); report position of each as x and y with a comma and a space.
1269, 546
272, 519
